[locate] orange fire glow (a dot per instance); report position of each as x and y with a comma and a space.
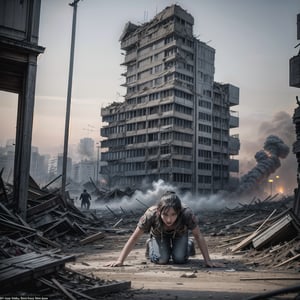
280, 190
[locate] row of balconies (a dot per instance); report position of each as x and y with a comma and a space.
105, 130
234, 165
219, 148
220, 137
233, 93
162, 31
219, 125
129, 42
135, 56
234, 119
234, 145
219, 173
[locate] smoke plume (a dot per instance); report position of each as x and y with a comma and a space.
268, 161
282, 126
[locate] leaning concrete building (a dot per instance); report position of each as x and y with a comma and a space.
175, 121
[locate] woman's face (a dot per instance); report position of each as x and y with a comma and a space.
169, 216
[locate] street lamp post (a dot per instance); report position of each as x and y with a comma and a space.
277, 183
271, 185
68, 108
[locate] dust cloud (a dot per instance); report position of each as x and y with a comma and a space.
141, 200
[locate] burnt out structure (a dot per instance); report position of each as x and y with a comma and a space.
295, 82
175, 121
19, 49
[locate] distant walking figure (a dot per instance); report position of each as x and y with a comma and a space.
85, 198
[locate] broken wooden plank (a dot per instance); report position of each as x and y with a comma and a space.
245, 242
63, 290
55, 287
113, 213
238, 222
268, 278
108, 288
7, 212
241, 236
266, 220
115, 225
26, 267
123, 210
59, 226
92, 238
49, 242
78, 228
287, 261
21, 245
273, 219
53, 180
15, 226
45, 205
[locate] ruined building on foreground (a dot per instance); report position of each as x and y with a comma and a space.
175, 121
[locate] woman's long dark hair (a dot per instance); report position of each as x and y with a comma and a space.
169, 200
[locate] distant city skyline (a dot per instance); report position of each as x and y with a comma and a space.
254, 41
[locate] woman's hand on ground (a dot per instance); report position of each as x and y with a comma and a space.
211, 264
114, 264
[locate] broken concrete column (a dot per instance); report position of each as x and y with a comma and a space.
295, 82
296, 150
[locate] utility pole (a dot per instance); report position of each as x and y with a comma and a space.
68, 109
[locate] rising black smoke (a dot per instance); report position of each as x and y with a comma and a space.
268, 161
280, 125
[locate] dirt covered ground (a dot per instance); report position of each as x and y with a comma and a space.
242, 277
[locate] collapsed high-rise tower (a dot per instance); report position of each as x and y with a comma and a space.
175, 121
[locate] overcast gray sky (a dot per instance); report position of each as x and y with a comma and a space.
254, 41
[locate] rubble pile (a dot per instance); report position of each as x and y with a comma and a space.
266, 233
51, 222
30, 249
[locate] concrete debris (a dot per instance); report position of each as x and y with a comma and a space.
265, 232
271, 239
29, 248
189, 275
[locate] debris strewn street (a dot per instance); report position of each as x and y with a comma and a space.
67, 248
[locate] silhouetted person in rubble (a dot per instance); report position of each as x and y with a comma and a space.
85, 198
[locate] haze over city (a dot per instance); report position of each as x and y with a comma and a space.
254, 41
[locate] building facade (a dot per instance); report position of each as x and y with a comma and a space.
175, 120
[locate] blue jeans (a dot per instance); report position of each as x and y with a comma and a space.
161, 250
